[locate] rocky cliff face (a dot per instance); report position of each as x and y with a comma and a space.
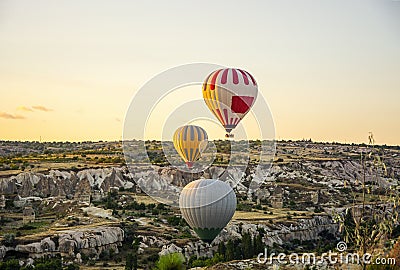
38, 249
324, 178
331, 174
99, 181
90, 241
62, 183
302, 229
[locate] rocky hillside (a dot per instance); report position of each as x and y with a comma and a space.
301, 229
90, 241
329, 176
65, 183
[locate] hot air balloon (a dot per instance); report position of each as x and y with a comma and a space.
190, 141
229, 94
207, 205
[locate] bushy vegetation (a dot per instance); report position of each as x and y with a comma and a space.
176, 221
172, 261
40, 264
246, 248
132, 257
9, 239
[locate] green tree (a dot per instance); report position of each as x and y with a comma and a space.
230, 251
247, 245
132, 257
258, 245
129, 261
221, 249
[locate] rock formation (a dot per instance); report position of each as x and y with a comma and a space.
69, 243
90, 242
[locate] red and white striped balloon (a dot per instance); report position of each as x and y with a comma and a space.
229, 94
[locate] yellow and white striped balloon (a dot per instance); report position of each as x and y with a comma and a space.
190, 141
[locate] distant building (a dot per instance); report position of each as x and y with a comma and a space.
28, 215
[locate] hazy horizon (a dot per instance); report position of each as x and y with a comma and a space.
329, 70
152, 139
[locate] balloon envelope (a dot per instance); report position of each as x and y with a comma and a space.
229, 94
207, 205
190, 141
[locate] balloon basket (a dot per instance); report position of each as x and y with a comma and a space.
228, 135
189, 165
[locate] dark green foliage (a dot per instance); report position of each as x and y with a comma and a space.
110, 202
136, 206
40, 264
396, 232
9, 265
258, 207
230, 251
258, 245
72, 267
176, 221
221, 248
247, 246
160, 206
9, 239
27, 227
318, 209
244, 207
132, 257
129, 262
203, 261
9, 205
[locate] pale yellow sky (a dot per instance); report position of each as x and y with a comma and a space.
329, 70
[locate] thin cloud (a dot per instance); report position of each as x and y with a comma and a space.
10, 116
24, 109
42, 108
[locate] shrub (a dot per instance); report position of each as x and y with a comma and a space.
26, 227
172, 261
9, 239
10, 265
